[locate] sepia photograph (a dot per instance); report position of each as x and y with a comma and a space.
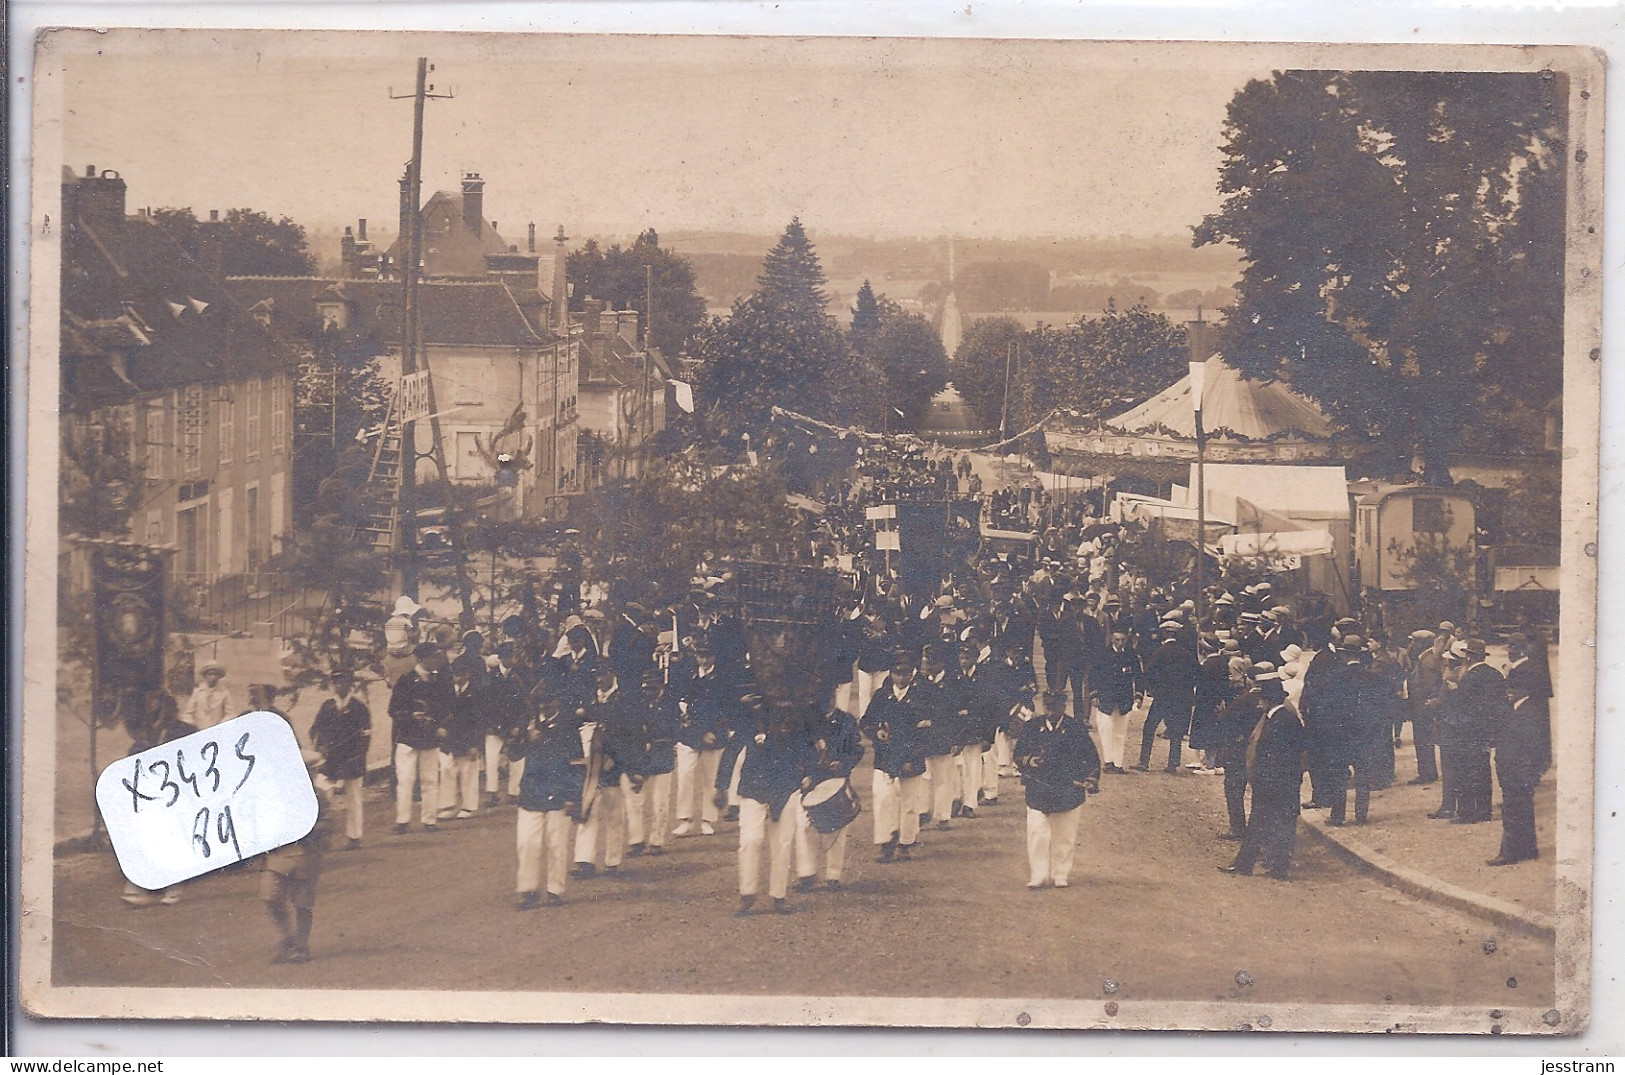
817, 531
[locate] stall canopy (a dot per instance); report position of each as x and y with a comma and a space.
1277, 543
1256, 496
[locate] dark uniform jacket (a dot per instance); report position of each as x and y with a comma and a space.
1170, 678
839, 745
941, 701
554, 768
465, 721
620, 737
1234, 722
712, 708
1116, 679
893, 725
419, 708
774, 769
662, 724
1518, 741
342, 732
1059, 764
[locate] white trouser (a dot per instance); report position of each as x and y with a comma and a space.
810, 844
349, 793
897, 810
651, 804
414, 766
1001, 752
990, 773
970, 774
493, 768
865, 684
544, 840
755, 828
1051, 840
697, 776
609, 817
459, 781
944, 777
1111, 732
733, 779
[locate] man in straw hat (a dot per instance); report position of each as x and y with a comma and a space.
209, 703
1275, 765
342, 732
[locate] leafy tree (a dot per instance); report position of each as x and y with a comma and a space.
1402, 233
978, 367
910, 357
246, 242
778, 346
622, 277
865, 317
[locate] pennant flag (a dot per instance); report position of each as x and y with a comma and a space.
176, 309
197, 304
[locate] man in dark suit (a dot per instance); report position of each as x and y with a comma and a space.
1530, 671
1517, 768
1275, 761
1482, 697
1322, 671
1062, 640
1170, 680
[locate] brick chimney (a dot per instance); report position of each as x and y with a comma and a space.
592, 311
561, 291
473, 202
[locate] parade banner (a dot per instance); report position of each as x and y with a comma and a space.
128, 586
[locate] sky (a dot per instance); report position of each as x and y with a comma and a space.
609, 135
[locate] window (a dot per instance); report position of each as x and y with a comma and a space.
153, 435
276, 507
155, 527
225, 427
1429, 515
251, 423
333, 314
279, 414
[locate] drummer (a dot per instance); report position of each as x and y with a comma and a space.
839, 746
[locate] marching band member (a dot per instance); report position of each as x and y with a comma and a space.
771, 774
615, 743
342, 731
1059, 769
654, 769
839, 746
418, 708
892, 721
708, 707
550, 792
940, 695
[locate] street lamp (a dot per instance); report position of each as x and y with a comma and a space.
1198, 378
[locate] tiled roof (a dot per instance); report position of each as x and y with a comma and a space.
472, 313
138, 314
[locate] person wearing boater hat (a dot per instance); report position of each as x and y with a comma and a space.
1235, 720
550, 793
342, 731
1322, 671
1424, 682
1450, 731
209, 703
1275, 760
1059, 768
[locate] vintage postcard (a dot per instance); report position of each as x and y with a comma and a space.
812, 531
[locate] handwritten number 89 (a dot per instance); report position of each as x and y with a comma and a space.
225, 831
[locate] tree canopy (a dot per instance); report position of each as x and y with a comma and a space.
246, 242
1403, 242
621, 277
778, 346
1099, 365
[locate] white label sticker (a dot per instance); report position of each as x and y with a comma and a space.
207, 800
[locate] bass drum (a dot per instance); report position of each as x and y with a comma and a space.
832, 805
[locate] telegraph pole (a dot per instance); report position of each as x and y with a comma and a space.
411, 257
